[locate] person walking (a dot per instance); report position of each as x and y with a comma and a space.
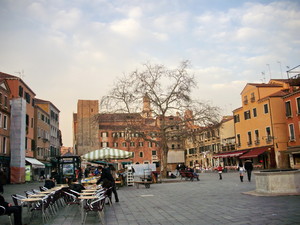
248, 168
241, 170
220, 171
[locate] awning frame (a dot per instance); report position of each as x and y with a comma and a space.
230, 154
36, 164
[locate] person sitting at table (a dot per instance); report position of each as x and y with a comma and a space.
75, 186
106, 175
9, 208
49, 183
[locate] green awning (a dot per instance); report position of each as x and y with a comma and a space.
126, 163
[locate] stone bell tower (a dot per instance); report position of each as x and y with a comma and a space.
146, 107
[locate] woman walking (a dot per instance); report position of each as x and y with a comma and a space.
241, 170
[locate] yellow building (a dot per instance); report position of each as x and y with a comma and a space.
260, 124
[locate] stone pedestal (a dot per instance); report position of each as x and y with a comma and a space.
278, 182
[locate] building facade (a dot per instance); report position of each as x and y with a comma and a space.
42, 137
22, 140
55, 133
292, 112
4, 130
260, 124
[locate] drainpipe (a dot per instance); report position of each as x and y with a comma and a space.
272, 133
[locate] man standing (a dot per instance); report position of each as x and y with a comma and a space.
107, 178
248, 168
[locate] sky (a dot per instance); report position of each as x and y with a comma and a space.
70, 50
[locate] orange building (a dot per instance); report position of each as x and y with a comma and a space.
260, 124
292, 112
22, 125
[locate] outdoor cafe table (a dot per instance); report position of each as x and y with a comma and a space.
37, 195
47, 192
89, 190
29, 201
87, 193
83, 199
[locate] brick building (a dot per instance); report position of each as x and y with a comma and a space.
4, 129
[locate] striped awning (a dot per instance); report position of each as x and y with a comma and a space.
229, 154
107, 153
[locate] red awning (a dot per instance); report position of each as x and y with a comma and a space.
229, 154
254, 153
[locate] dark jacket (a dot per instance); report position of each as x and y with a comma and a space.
248, 165
3, 202
49, 184
106, 175
77, 187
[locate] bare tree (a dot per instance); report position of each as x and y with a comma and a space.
169, 92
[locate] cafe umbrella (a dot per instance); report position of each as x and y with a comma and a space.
107, 154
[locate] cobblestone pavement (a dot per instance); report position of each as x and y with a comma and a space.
208, 201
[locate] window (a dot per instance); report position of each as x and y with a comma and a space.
141, 144
5, 101
247, 115
256, 136
0, 120
254, 112
4, 145
268, 133
104, 144
245, 100
132, 144
252, 97
150, 144
4, 122
173, 146
27, 120
292, 132
288, 110
154, 152
266, 108
20, 91
27, 97
0, 98
298, 105
236, 118
249, 138
124, 144
141, 154
115, 144
104, 134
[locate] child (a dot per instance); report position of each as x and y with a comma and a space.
220, 170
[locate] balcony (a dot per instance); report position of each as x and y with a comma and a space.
268, 140
245, 102
154, 157
249, 143
252, 99
292, 139
257, 142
